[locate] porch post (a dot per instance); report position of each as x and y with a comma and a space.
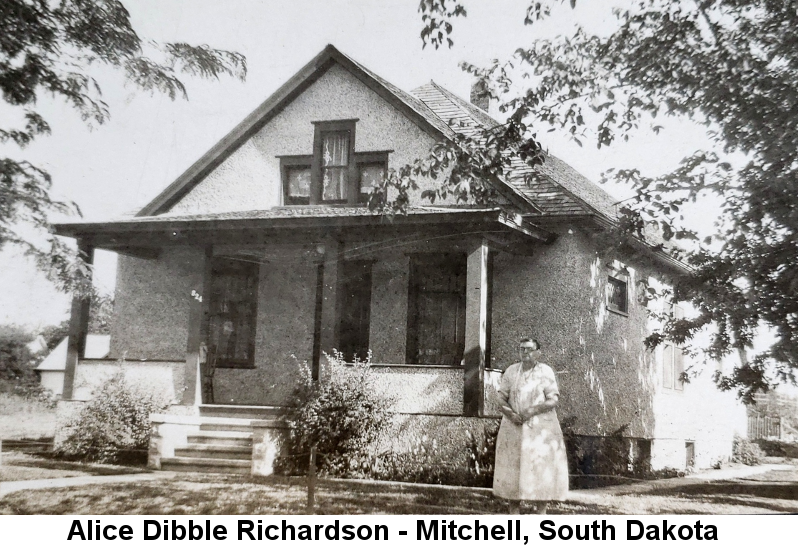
479, 278
78, 323
328, 304
197, 330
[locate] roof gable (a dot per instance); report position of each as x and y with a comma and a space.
552, 189
410, 106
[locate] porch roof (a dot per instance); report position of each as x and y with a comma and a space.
293, 218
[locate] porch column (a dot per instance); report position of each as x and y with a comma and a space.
78, 322
198, 314
479, 280
326, 336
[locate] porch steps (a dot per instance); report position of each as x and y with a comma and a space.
223, 443
216, 451
207, 465
244, 412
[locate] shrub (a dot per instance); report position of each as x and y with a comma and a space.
746, 452
114, 427
341, 415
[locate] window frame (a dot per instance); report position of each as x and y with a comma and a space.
316, 176
226, 266
314, 162
368, 159
620, 278
300, 161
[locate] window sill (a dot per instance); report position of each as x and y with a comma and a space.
617, 311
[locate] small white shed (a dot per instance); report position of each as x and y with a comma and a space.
51, 369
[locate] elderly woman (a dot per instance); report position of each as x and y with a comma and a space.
530, 451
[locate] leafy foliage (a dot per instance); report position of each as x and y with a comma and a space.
746, 452
114, 426
53, 48
727, 64
341, 415
17, 362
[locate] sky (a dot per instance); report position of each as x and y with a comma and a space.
114, 169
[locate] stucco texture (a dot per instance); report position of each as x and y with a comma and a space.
420, 390
154, 378
151, 304
249, 179
390, 277
284, 336
558, 296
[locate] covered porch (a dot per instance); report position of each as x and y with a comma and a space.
253, 294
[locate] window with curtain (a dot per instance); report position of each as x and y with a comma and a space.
334, 173
334, 166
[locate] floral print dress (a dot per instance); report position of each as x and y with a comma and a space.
530, 459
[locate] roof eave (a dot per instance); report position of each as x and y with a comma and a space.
603, 222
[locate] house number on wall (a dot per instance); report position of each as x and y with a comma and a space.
196, 296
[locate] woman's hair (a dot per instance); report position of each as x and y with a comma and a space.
531, 340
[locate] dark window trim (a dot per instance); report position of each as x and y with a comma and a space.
368, 159
625, 281
372, 157
293, 161
316, 191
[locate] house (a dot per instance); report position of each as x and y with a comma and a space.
263, 253
51, 369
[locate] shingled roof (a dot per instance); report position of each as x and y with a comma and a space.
554, 187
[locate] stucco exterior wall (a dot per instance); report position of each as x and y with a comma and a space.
151, 304
249, 179
421, 390
283, 339
605, 374
154, 378
390, 279
700, 414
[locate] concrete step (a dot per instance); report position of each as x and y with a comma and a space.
207, 465
238, 439
226, 424
246, 412
215, 451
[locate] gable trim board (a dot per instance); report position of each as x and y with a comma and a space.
270, 108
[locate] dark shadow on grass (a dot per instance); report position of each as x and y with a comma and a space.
740, 492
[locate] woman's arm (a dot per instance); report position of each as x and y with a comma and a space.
508, 412
549, 404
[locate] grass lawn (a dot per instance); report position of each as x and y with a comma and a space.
773, 492
25, 418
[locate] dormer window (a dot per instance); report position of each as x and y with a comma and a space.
334, 173
335, 167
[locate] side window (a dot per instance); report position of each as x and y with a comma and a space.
673, 359
297, 179
618, 293
371, 170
